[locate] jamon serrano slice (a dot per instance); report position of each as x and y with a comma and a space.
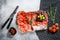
23, 21
38, 24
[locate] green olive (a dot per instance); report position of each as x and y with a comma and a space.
43, 17
40, 17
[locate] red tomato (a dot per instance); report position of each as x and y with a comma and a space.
54, 30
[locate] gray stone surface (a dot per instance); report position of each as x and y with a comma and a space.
6, 8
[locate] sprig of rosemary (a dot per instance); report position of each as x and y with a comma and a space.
51, 15
31, 21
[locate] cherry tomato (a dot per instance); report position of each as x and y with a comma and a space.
56, 24
54, 30
50, 28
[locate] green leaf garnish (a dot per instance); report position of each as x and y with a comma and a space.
51, 15
31, 21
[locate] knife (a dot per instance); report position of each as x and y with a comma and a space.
10, 17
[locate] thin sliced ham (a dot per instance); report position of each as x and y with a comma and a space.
23, 19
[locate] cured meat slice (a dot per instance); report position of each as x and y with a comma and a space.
40, 24
29, 21
22, 21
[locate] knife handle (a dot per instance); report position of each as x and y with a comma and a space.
5, 23
9, 23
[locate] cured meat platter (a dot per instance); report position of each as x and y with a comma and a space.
32, 21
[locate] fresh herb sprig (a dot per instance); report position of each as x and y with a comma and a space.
51, 15
31, 21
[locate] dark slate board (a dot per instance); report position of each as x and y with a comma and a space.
45, 35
